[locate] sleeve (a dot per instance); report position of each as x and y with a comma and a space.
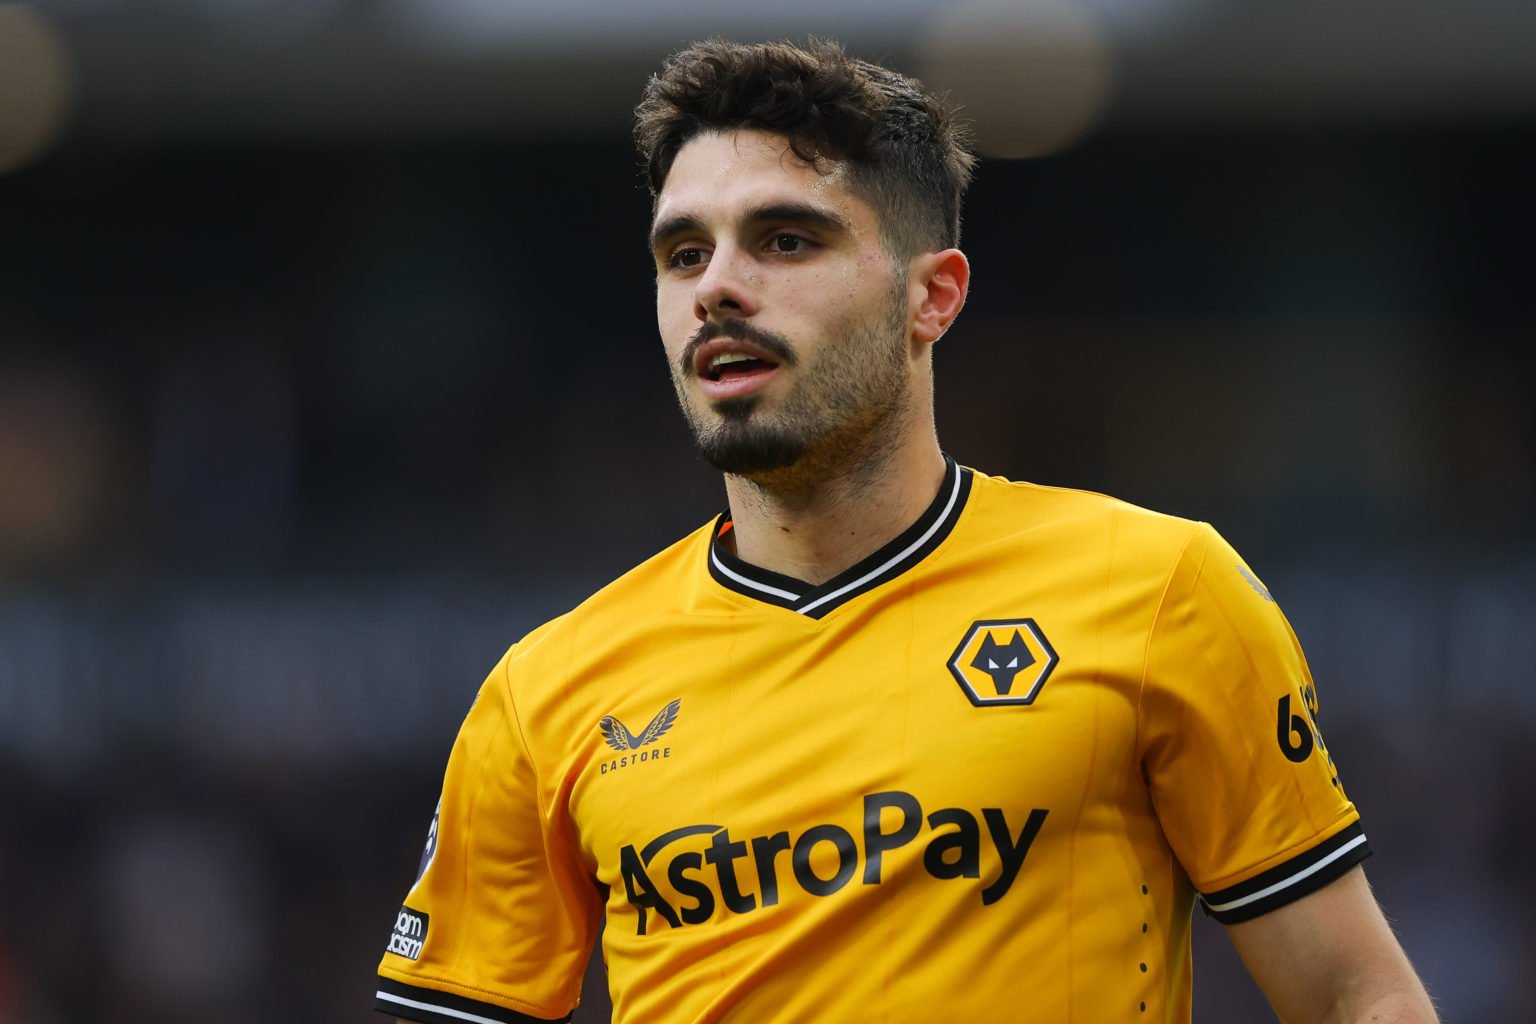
502, 917
1243, 786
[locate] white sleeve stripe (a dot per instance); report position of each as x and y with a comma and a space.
473, 1018
1285, 883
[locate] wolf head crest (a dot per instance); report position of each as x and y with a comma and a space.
1003, 661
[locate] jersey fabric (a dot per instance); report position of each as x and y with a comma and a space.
981, 776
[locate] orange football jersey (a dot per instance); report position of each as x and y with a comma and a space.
981, 776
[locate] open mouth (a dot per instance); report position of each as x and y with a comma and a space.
731, 365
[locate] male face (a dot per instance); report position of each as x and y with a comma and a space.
784, 320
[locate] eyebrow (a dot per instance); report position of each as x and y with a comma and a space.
807, 214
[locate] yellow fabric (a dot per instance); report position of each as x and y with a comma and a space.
1031, 861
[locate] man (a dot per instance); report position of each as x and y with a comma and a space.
891, 739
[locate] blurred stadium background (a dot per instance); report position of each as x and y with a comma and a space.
327, 368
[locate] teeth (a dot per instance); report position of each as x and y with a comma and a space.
727, 358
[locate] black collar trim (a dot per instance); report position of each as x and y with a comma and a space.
914, 544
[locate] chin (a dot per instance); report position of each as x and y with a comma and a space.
736, 410
745, 450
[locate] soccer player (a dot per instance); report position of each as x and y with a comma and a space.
891, 739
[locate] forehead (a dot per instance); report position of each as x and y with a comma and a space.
719, 174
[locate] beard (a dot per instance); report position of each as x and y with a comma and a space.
835, 415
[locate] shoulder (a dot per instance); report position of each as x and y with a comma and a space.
1066, 518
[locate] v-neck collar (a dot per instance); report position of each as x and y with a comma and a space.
905, 551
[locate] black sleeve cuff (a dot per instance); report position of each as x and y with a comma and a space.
430, 1006
1304, 873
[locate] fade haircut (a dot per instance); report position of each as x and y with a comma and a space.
906, 154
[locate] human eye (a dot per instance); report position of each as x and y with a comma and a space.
687, 257
788, 244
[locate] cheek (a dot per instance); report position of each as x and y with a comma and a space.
669, 304
676, 327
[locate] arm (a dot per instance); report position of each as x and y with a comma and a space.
500, 921
1249, 798
1331, 958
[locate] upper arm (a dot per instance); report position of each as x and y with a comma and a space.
1247, 795
1243, 786
502, 918
1331, 957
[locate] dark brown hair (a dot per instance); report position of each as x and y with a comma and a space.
907, 156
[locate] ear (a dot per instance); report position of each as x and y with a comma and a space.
940, 282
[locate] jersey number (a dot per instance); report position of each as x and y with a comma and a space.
1288, 726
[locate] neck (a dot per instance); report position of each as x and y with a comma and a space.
813, 527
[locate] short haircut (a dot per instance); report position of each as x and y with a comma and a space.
906, 154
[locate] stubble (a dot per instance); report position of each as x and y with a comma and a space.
839, 418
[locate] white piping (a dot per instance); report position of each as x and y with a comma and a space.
739, 578
954, 494
1284, 883
474, 1018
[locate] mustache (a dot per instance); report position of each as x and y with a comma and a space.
775, 345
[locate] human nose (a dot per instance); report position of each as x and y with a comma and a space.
726, 288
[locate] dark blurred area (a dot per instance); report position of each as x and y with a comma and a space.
328, 367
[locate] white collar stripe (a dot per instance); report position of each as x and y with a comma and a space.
744, 581
939, 521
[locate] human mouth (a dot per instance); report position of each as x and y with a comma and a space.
734, 364
728, 368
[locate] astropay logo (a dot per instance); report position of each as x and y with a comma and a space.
410, 933
689, 874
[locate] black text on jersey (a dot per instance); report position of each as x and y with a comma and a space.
952, 851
